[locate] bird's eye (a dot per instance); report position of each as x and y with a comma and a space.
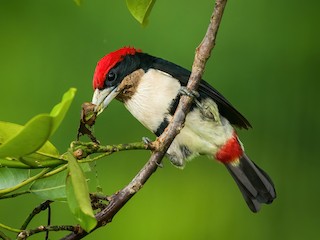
111, 76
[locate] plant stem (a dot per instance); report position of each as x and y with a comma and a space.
24, 183
9, 228
55, 171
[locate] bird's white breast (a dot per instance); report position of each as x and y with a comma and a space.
153, 96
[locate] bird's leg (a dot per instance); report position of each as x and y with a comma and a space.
208, 109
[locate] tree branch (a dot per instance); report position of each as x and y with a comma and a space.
119, 199
27, 233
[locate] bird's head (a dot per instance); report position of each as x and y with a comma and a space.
115, 77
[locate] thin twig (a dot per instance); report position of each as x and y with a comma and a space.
49, 221
83, 149
43, 206
162, 144
27, 233
3, 236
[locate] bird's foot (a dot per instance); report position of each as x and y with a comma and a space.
190, 93
149, 144
208, 110
160, 165
146, 140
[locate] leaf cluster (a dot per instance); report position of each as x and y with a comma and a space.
31, 164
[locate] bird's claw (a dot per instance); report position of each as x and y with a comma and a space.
149, 144
146, 140
160, 165
190, 93
208, 111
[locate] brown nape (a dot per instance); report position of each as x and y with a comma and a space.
129, 85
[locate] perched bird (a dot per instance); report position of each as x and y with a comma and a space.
150, 89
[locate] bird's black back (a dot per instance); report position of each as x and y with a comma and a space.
205, 89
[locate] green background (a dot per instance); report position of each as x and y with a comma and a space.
266, 62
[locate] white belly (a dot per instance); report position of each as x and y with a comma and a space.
201, 137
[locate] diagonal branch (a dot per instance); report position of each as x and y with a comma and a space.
119, 199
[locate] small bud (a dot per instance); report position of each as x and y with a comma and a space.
41, 228
78, 153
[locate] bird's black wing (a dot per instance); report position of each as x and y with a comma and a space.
225, 107
205, 90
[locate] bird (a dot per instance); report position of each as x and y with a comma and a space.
150, 89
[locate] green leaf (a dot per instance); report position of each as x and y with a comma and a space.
52, 188
11, 177
140, 9
17, 141
78, 195
85, 167
8, 130
31, 137
78, 2
45, 153
59, 111
36, 160
48, 149
12, 163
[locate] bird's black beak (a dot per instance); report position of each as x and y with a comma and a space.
102, 98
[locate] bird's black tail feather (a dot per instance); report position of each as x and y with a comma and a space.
254, 183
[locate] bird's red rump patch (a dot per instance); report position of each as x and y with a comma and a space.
108, 62
230, 151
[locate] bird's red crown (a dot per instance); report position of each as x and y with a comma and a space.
108, 62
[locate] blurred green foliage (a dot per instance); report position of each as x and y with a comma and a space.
140, 9
266, 62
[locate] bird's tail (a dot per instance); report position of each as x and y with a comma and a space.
254, 183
